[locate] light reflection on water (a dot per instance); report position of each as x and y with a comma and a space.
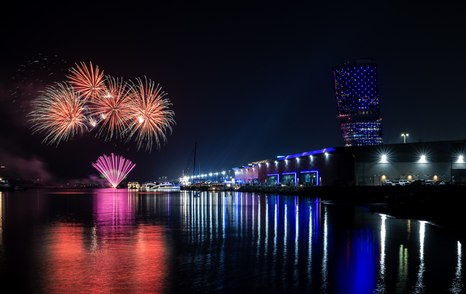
420, 287
383, 235
457, 284
119, 241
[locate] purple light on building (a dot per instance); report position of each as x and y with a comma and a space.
358, 108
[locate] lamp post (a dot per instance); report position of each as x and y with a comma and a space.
404, 135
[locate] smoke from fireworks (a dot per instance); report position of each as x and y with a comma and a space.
114, 168
151, 116
88, 81
58, 112
118, 109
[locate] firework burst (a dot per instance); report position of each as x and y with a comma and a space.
114, 168
87, 81
59, 112
151, 117
125, 110
112, 109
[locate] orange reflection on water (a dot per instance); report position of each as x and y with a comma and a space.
119, 264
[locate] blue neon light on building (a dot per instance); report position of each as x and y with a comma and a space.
358, 108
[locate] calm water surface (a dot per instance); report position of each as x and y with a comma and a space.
106, 241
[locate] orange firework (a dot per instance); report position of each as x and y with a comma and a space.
112, 109
87, 81
150, 114
59, 112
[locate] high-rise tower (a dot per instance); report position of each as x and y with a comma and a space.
358, 108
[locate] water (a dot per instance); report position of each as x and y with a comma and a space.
103, 241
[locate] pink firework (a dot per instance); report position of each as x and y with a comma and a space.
87, 81
151, 117
112, 109
59, 112
114, 168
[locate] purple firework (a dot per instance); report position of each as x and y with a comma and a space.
114, 168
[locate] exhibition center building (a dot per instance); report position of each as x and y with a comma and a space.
423, 162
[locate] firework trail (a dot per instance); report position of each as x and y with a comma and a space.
30, 78
59, 112
112, 109
87, 81
114, 168
150, 114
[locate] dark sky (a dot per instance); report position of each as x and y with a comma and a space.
247, 82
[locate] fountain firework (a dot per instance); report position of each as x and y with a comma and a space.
114, 168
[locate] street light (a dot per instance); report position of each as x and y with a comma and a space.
404, 135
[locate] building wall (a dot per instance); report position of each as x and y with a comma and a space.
362, 165
374, 173
331, 168
246, 174
403, 161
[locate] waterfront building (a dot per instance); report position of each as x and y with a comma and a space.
208, 177
248, 174
426, 162
134, 185
357, 99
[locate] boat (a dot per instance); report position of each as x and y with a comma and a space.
147, 187
166, 187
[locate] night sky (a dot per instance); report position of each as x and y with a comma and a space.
247, 82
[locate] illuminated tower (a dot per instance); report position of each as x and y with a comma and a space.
358, 109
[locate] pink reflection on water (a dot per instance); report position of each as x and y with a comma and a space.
114, 208
115, 256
